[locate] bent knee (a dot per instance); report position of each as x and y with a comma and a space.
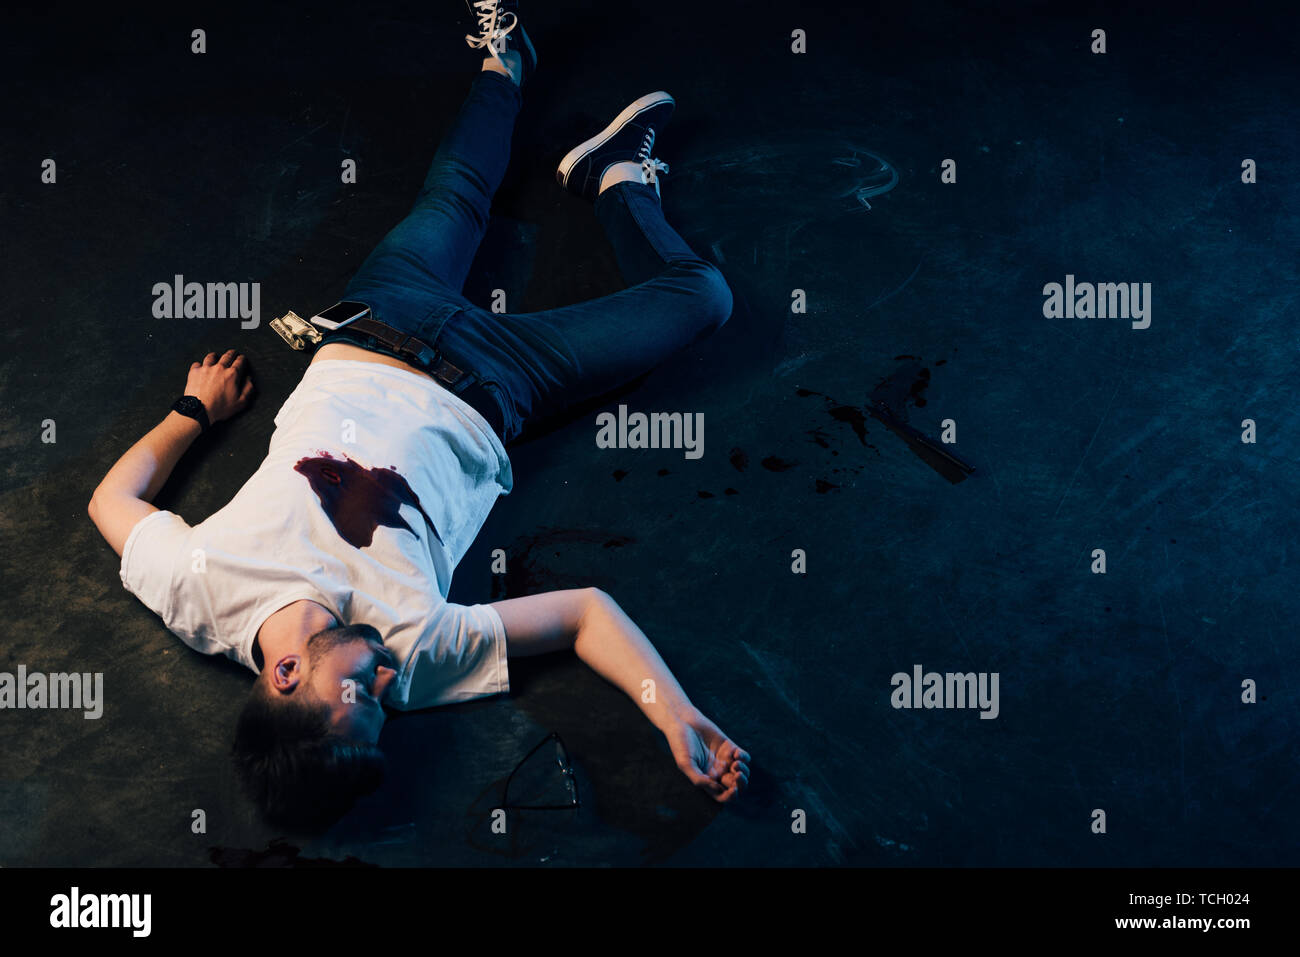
714, 293
723, 299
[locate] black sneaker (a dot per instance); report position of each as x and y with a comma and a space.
499, 30
629, 139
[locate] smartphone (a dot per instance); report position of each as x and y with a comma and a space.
340, 314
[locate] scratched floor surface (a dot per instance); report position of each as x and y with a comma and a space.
1119, 692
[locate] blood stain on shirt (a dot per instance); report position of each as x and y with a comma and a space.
358, 499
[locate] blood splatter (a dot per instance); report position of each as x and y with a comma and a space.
358, 499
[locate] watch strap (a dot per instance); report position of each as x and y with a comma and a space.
192, 406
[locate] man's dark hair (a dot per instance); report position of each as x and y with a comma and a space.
301, 775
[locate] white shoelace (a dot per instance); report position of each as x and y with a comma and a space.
650, 167
492, 35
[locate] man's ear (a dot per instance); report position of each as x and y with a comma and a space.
286, 674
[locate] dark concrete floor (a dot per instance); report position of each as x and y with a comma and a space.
1119, 691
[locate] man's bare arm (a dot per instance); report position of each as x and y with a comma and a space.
591, 623
123, 498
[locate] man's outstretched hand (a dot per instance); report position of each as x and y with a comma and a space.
221, 384
709, 758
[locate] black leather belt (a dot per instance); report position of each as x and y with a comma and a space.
464, 384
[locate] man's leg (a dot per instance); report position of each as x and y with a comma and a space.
436, 243
542, 362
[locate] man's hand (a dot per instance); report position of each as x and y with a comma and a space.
610, 643
222, 385
709, 758
123, 499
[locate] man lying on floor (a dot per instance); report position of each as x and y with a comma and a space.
328, 572
288, 577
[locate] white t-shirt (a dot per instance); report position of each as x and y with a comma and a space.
375, 484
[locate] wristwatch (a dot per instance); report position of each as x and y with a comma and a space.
193, 407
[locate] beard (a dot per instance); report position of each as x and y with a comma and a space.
325, 641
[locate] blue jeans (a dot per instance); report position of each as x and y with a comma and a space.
533, 364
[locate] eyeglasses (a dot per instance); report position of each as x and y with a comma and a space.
566, 769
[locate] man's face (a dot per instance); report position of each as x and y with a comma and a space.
358, 654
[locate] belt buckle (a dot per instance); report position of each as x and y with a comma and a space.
433, 361
456, 379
